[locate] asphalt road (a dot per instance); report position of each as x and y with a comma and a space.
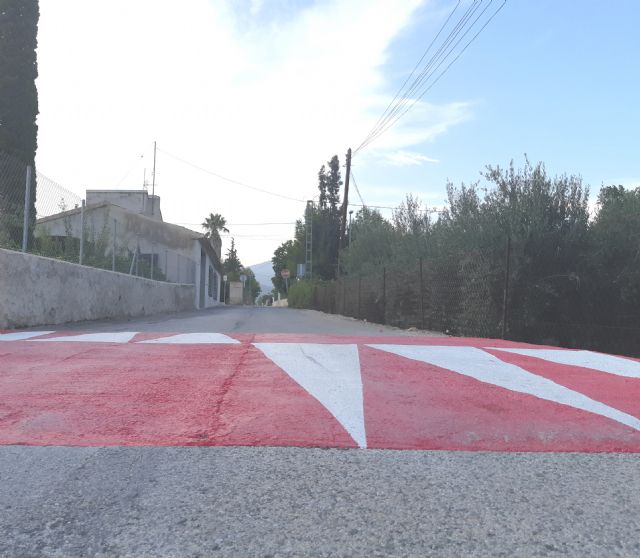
244, 319
228, 501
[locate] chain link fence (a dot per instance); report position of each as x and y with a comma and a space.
479, 294
57, 223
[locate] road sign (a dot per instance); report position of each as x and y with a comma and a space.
285, 273
243, 278
301, 270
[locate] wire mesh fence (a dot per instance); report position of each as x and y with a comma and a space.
58, 224
480, 294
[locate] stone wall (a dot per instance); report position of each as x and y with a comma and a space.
37, 291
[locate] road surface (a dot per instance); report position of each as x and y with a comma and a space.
105, 474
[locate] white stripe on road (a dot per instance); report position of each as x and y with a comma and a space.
22, 335
584, 359
331, 374
487, 368
109, 337
194, 339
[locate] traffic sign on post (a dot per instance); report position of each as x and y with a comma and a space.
285, 273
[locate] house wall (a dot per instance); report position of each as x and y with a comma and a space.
135, 201
37, 291
235, 292
172, 245
212, 290
176, 250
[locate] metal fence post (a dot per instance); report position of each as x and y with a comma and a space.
113, 246
81, 256
359, 297
384, 295
27, 203
505, 299
421, 297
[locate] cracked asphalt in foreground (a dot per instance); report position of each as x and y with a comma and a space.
261, 501
216, 501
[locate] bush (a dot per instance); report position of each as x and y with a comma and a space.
300, 294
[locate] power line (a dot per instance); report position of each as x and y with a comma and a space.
399, 93
231, 180
462, 22
427, 89
403, 103
357, 189
439, 58
240, 224
397, 207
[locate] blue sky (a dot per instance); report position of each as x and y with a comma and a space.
265, 91
557, 80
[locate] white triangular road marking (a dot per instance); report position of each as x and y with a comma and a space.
585, 359
194, 339
331, 374
487, 368
22, 335
107, 337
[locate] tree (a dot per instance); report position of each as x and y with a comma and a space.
232, 264
326, 221
333, 185
252, 288
213, 225
372, 243
614, 257
18, 109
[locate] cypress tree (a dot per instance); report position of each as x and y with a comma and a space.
18, 110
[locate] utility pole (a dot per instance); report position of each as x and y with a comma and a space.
345, 203
308, 251
153, 182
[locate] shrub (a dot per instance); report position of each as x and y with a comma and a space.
300, 294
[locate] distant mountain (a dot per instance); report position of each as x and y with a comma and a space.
264, 273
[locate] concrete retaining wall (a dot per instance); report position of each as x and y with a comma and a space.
38, 291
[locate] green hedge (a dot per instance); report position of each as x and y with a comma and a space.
300, 294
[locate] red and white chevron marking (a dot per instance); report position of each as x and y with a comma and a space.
130, 388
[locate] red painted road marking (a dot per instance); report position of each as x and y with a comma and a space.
274, 389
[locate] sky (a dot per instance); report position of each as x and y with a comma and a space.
263, 92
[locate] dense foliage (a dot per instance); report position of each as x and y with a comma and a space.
18, 111
325, 220
574, 278
233, 269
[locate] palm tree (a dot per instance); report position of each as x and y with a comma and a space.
213, 225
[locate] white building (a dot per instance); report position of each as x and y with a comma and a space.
129, 223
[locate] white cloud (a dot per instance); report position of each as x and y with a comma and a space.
408, 158
266, 104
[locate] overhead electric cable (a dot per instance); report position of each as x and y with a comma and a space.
353, 178
231, 180
240, 224
421, 76
425, 210
415, 67
403, 103
404, 95
431, 85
